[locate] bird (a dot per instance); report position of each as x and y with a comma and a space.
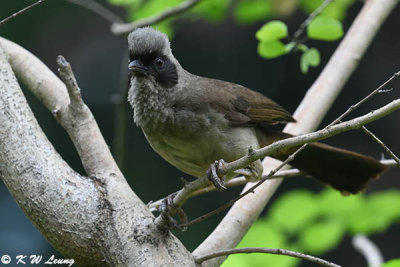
195, 122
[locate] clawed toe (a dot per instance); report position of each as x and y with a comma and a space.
212, 175
167, 209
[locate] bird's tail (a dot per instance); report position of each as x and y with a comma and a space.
347, 171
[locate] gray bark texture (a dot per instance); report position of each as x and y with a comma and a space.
96, 220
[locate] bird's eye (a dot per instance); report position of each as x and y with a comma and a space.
159, 62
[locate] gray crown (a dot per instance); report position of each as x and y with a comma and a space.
148, 40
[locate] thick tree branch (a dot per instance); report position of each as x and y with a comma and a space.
369, 250
45, 187
120, 28
309, 114
108, 224
276, 251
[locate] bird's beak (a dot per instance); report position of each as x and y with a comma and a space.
138, 68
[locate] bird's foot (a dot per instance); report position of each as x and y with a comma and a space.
167, 209
212, 174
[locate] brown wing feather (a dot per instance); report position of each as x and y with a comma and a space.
242, 105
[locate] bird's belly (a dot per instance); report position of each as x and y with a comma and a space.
193, 154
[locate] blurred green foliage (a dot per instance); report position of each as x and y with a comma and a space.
252, 11
325, 27
336, 9
392, 263
316, 223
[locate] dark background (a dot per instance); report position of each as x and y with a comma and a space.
225, 51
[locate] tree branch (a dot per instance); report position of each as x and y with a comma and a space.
276, 251
369, 250
382, 144
97, 8
309, 114
44, 186
238, 181
4, 21
120, 28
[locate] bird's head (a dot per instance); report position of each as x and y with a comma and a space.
150, 57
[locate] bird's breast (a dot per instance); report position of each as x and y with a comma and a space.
193, 148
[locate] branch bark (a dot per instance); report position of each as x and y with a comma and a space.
97, 221
276, 251
321, 95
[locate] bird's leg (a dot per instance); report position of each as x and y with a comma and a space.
212, 174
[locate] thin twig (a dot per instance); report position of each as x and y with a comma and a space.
20, 12
303, 26
153, 206
238, 181
368, 249
382, 144
68, 77
376, 91
97, 8
123, 28
276, 251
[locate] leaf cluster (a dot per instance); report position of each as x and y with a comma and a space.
326, 26
316, 223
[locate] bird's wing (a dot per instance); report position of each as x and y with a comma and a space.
241, 105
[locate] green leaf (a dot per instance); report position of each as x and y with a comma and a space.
392, 263
336, 9
271, 49
387, 202
378, 212
310, 58
325, 29
332, 203
294, 210
262, 234
321, 237
251, 11
212, 10
151, 7
271, 31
